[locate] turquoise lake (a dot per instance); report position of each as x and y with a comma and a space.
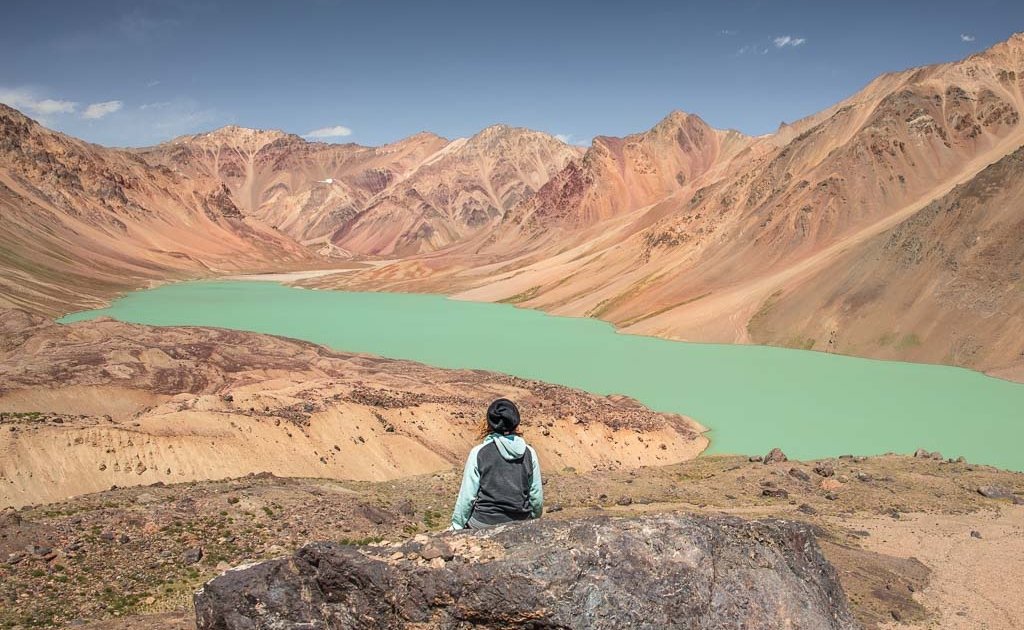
752, 398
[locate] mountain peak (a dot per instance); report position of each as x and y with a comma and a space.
235, 132
678, 118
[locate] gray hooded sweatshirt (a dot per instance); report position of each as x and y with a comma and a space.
501, 483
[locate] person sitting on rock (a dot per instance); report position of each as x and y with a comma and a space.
501, 482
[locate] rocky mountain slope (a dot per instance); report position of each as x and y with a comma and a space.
80, 223
465, 189
953, 272
307, 190
691, 233
418, 194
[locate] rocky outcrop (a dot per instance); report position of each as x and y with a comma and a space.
670, 571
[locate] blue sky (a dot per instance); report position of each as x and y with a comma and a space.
140, 72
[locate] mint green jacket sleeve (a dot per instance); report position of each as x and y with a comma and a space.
536, 487
467, 492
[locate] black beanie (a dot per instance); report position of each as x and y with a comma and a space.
503, 416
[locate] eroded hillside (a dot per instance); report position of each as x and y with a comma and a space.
95, 404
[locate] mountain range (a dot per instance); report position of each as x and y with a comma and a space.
889, 225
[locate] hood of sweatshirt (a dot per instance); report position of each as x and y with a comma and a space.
511, 447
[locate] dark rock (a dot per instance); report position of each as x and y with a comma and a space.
796, 473
775, 456
863, 476
754, 458
996, 492
554, 508
624, 501
600, 572
824, 470
123, 539
374, 514
405, 507
806, 509
776, 493
9, 518
192, 556
975, 534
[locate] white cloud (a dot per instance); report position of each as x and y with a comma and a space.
966, 38
337, 131
753, 49
153, 83
27, 101
96, 111
564, 137
788, 40
727, 32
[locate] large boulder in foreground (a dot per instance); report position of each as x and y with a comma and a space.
671, 571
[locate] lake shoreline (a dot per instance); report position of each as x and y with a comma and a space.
403, 323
